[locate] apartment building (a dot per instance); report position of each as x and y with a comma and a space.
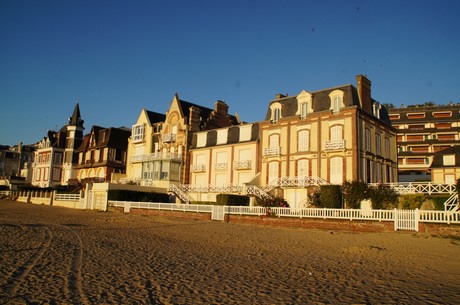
158, 150
334, 135
55, 154
422, 131
102, 153
223, 160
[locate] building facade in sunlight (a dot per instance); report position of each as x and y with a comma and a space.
158, 150
56, 156
423, 131
102, 153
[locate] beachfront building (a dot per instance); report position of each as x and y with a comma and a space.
102, 153
422, 131
158, 150
223, 160
326, 136
445, 167
55, 154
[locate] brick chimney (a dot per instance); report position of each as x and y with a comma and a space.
364, 92
195, 119
221, 107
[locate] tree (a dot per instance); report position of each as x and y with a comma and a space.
383, 197
354, 192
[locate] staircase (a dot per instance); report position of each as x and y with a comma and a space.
452, 204
179, 193
254, 190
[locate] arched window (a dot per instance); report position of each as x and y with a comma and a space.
336, 97
336, 133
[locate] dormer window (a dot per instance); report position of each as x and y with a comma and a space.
336, 97
304, 104
303, 110
275, 112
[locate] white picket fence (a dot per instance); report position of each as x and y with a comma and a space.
403, 219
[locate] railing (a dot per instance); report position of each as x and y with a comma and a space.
272, 151
67, 197
221, 166
452, 204
226, 188
179, 193
295, 182
169, 137
242, 164
334, 145
198, 168
162, 206
254, 190
403, 219
421, 187
155, 156
5, 193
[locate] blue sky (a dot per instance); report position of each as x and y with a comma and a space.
117, 57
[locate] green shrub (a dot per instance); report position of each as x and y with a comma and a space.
4, 188
314, 198
383, 197
203, 202
354, 192
232, 200
127, 195
438, 202
330, 197
411, 201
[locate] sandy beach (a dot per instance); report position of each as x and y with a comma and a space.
52, 255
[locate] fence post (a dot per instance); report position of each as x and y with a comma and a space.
127, 206
395, 216
416, 218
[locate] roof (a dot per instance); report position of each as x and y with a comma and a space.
114, 138
204, 111
155, 117
75, 119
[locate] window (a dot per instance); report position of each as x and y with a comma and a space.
448, 160
303, 109
274, 140
336, 170
303, 140
387, 148
449, 179
368, 139
221, 179
446, 114
420, 115
201, 140
376, 109
222, 136
137, 133
276, 114
273, 169
336, 133
302, 168
245, 132
378, 145
336, 103
394, 116
221, 161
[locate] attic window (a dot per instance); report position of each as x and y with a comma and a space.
420, 115
201, 139
394, 117
376, 109
336, 97
448, 160
276, 114
445, 114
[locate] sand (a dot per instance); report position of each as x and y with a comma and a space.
52, 255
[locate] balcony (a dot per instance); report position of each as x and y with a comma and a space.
155, 156
334, 145
239, 165
220, 166
169, 138
198, 168
272, 151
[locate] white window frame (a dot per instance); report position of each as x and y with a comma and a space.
303, 139
137, 133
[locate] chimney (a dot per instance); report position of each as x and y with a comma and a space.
221, 107
195, 119
364, 92
280, 96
